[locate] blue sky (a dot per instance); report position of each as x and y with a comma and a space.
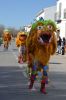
16, 13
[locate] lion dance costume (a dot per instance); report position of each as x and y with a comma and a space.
6, 38
41, 44
21, 44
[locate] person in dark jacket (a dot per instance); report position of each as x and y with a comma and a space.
63, 46
59, 45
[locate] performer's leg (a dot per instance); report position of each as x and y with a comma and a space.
43, 89
24, 54
44, 80
32, 77
4, 45
20, 55
19, 59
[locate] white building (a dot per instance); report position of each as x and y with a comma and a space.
47, 13
56, 13
61, 17
40, 14
27, 28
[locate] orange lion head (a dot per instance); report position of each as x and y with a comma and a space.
6, 35
21, 38
41, 41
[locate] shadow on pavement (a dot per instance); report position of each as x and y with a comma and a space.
14, 86
55, 63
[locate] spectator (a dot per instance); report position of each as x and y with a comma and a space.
63, 46
59, 45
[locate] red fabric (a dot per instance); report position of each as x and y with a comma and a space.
43, 81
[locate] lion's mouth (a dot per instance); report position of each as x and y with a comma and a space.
44, 38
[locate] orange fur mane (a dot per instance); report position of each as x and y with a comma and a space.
40, 52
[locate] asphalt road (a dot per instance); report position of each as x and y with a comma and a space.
14, 81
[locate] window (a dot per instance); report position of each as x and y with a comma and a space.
65, 13
55, 16
60, 5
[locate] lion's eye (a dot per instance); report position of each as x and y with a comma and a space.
49, 27
40, 27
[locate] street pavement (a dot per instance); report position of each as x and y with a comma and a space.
14, 80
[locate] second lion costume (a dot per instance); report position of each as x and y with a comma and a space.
6, 38
21, 44
41, 44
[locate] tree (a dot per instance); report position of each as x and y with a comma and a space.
1, 30
13, 32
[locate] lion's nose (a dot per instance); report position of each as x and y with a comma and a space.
39, 31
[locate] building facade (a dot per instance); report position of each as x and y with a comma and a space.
47, 13
61, 17
27, 28
56, 13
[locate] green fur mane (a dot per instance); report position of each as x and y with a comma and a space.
44, 22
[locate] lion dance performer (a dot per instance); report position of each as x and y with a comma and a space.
41, 44
21, 44
6, 38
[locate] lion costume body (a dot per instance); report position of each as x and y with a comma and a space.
6, 38
41, 44
21, 44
